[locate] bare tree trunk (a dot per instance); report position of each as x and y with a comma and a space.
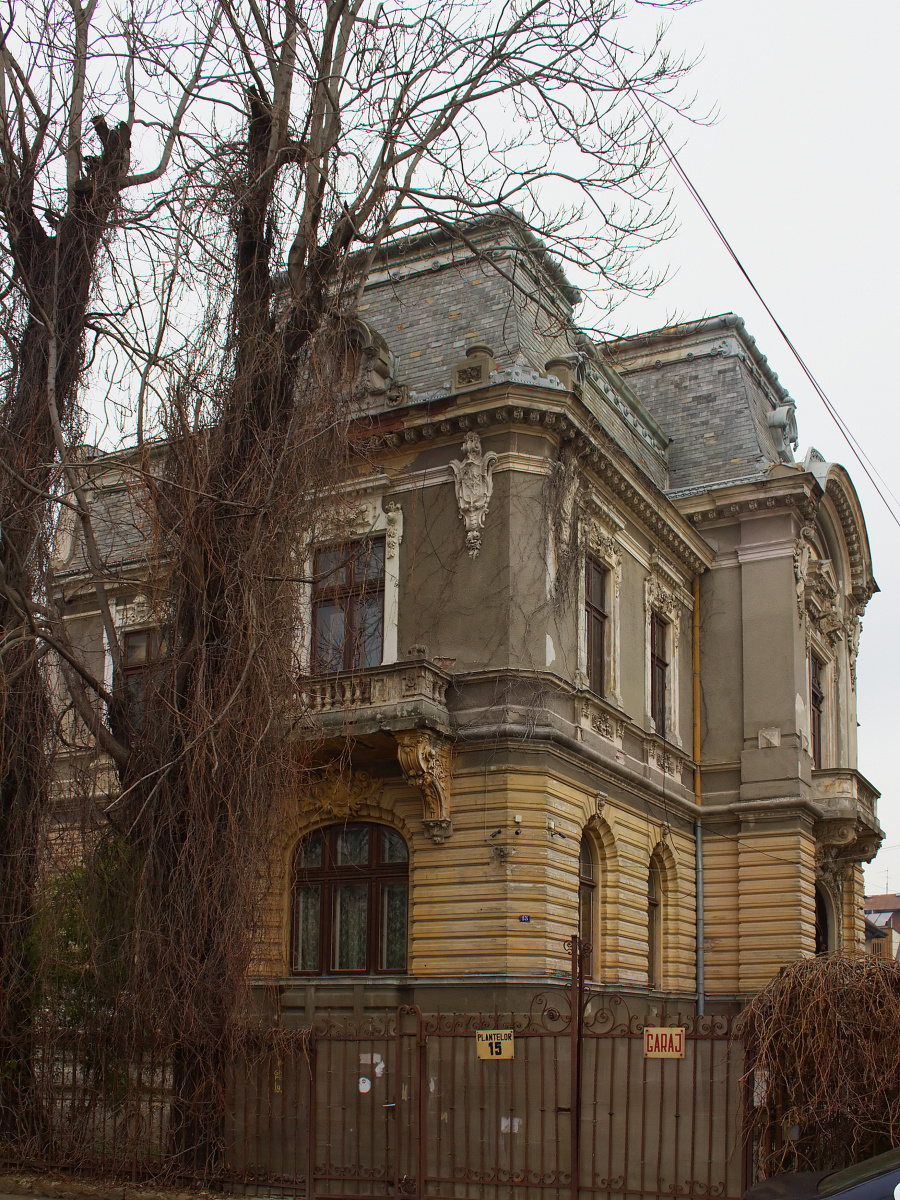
57, 273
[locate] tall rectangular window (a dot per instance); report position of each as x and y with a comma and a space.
141, 653
596, 612
659, 666
816, 706
348, 606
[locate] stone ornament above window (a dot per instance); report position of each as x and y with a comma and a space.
599, 541
818, 594
375, 516
340, 796
473, 478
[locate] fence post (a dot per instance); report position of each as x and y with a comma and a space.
578, 951
422, 1109
311, 1119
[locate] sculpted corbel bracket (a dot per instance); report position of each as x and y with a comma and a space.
424, 758
845, 840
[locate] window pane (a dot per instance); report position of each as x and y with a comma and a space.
393, 847
310, 854
658, 636
307, 908
351, 902
369, 560
137, 649
330, 635
585, 913
596, 584
394, 900
595, 661
331, 568
353, 846
369, 636
136, 682
585, 865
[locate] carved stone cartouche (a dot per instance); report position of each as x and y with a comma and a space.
473, 479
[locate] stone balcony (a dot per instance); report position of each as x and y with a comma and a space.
386, 698
849, 820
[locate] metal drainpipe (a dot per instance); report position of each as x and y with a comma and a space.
698, 800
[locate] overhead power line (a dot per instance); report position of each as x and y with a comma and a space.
856, 448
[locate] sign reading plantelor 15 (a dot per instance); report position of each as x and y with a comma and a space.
495, 1043
664, 1043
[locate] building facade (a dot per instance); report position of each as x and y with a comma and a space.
585, 664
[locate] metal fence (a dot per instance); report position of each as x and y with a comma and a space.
400, 1104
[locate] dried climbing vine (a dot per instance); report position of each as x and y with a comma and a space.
822, 1052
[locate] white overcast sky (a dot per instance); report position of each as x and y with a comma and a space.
801, 171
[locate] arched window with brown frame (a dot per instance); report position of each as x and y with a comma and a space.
823, 923
654, 923
587, 900
350, 901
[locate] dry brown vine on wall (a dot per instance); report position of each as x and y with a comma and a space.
823, 1059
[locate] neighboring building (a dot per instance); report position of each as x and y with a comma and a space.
883, 916
881, 940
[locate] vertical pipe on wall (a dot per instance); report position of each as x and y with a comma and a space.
698, 799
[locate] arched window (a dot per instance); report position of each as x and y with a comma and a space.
823, 924
587, 884
350, 893
654, 924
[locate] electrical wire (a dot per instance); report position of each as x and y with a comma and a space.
859, 454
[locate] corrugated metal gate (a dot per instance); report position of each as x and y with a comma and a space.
400, 1105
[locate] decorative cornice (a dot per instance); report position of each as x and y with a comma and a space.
864, 586
755, 501
593, 446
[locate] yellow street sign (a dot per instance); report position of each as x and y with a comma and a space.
664, 1042
495, 1043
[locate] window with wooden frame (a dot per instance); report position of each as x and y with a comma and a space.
659, 669
348, 606
587, 890
596, 612
350, 902
141, 653
816, 709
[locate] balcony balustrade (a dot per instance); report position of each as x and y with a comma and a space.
389, 697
